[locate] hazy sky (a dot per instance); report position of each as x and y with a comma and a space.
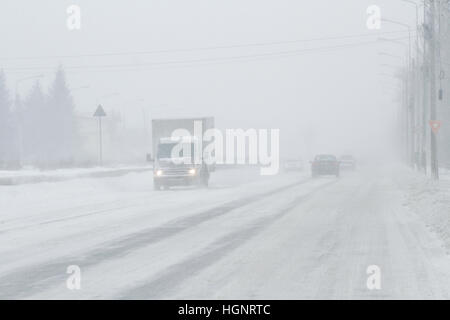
332, 98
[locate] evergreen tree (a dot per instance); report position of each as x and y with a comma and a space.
62, 121
6, 129
35, 128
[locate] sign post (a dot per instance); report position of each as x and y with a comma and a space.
99, 114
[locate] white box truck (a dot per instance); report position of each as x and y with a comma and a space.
179, 152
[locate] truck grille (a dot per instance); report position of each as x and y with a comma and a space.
176, 172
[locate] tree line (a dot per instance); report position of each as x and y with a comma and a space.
40, 129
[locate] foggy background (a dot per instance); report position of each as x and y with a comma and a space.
154, 59
372, 225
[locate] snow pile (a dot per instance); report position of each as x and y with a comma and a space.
431, 200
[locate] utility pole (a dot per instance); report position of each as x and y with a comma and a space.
417, 121
407, 118
433, 142
425, 69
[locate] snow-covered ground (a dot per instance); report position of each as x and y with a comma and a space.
33, 175
431, 200
247, 236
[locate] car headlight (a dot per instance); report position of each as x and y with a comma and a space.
159, 172
192, 171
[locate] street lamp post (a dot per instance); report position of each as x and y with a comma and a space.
411, 114
420, 111
409, 111
433, 141
409, 35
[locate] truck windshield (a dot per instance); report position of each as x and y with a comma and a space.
165, 150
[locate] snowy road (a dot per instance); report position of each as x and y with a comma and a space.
287, 236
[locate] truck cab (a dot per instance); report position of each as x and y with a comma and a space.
179, 161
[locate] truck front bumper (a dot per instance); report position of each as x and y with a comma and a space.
176, 180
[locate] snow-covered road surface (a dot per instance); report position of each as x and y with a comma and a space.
287, 236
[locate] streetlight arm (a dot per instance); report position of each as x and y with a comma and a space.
393, 40
390, 55
397, 22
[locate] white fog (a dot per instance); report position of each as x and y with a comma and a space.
348, 90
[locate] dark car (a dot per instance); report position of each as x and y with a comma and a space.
325, 164
347, 162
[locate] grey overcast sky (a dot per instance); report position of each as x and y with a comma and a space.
332, 99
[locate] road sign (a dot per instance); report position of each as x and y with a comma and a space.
435, 125
100, 112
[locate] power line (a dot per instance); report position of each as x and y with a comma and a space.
234, 46
236, 58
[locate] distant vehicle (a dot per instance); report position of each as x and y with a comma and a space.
293, 165
347, 162
325, 164
180, 160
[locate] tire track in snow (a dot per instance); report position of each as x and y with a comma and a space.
170, 279
36, 278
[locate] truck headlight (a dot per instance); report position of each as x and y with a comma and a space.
192, 171
159, 172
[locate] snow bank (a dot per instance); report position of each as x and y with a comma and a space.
34, 176
431, 200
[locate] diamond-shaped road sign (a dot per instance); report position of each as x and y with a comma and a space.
435, 125
100, 112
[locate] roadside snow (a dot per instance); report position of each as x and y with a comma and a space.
431, 201
31, 175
